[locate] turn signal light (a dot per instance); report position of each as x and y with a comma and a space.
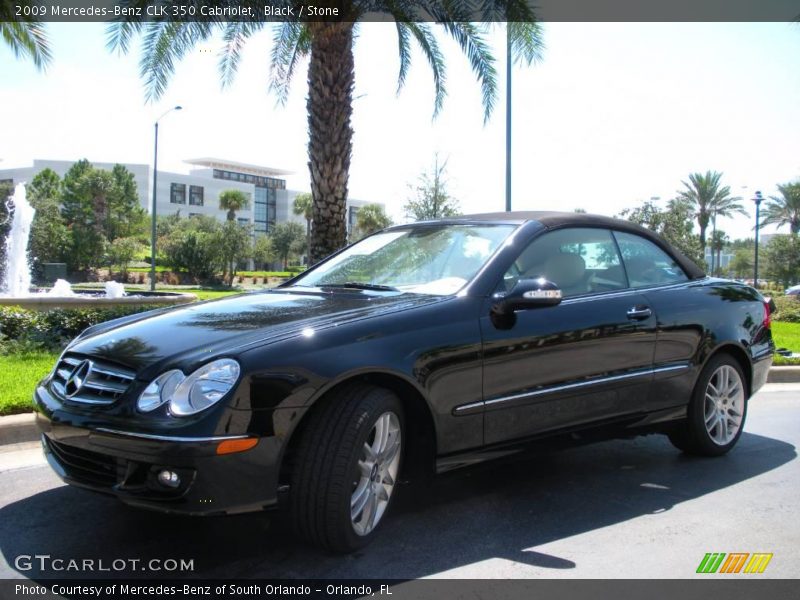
233, 446
767, 324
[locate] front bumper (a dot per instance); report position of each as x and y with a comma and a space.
127, 465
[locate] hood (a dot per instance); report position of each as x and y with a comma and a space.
202, 331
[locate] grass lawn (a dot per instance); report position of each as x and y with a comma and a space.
19, 374
786, 335
204, 294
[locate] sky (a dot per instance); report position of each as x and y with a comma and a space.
614, 114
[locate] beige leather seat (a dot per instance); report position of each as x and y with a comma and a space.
568, 272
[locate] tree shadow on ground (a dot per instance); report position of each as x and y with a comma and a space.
502, 509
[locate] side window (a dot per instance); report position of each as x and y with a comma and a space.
577, 260
646, 263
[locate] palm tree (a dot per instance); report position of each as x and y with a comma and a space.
331, 72
784, 210
709, 200
304, 205
369, 219
233, 200
24, 34
718, 241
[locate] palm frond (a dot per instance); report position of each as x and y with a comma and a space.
470, 39
120, 32
404, 51
27, 38
164, 43
234, 37
527, 41
430, 48
291, 42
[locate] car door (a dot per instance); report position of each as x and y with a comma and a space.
681, 311
586, 359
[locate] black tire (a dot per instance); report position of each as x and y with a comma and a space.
691, 435
326, 469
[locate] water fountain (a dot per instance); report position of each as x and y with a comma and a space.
17, 275
15, 288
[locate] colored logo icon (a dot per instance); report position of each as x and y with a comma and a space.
734, 562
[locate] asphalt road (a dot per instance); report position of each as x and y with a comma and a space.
629, 509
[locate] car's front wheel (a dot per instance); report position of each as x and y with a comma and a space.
347, 467
717, 411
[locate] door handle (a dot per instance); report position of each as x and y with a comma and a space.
639, 313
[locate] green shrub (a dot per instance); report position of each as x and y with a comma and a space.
24, 331
788, 309
783, 361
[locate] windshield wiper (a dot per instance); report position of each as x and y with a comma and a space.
357, 285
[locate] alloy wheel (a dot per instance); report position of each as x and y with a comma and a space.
376, 473
724, 405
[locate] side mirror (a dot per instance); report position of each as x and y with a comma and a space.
527, 293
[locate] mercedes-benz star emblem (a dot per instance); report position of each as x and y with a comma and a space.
78, 377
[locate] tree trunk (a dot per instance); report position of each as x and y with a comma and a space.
100, 212
702, 220
308, 243
331, 75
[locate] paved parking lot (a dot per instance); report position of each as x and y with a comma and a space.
633, 508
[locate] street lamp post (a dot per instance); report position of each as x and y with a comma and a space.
757, 199
508, 119
155, 191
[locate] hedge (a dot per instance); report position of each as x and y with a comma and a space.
788, 309
30, 330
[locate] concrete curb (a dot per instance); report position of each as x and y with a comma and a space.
788, 374
16, 429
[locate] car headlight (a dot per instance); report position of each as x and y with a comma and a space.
160, 390
190, 395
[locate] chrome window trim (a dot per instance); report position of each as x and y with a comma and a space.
619, 293
569, 386
171, 438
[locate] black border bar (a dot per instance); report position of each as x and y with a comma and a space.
421, 10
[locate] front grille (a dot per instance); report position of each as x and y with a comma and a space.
90, 381
85, 466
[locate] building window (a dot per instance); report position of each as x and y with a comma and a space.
256, 180
177, 193
272, 206
264, 209
352, 217
196, 195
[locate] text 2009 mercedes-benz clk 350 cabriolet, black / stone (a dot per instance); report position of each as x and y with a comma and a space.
419, 349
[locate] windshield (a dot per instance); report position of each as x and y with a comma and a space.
427, 259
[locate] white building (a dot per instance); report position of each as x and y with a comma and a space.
198, 191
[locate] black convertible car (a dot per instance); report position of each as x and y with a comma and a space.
419, 349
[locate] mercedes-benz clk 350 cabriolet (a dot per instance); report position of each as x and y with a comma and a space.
419, 349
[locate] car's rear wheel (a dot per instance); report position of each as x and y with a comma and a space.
717, 411
347, 467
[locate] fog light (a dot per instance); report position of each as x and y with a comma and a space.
169, 479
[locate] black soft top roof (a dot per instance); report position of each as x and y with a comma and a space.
557, 220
